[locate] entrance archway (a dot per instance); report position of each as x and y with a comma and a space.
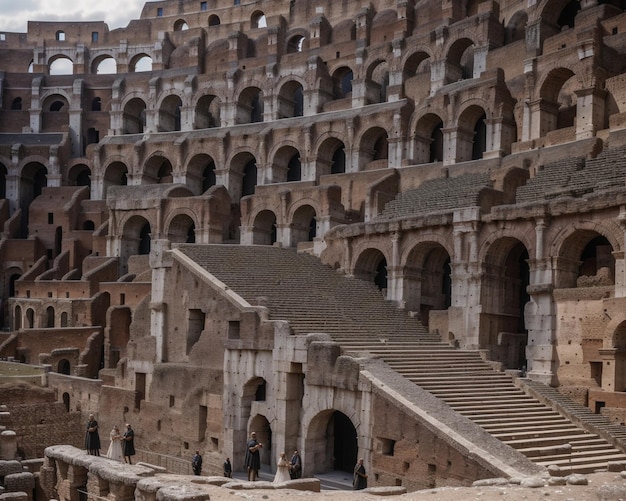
331, 443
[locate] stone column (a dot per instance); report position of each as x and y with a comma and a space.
8, 444
394, 269
589, 112
160, 262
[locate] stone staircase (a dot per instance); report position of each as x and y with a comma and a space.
314, 298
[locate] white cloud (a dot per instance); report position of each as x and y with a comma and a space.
116, 13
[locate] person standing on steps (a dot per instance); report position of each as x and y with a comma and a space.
92, 437
129, 444
360, 476
253, 457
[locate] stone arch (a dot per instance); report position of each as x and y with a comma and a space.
54, 113
427, 279
104, 64
264, 228
585, 255
515, 27
250, 106
460, 60
342, 82
140, 62
243, 175
331, 442
296, 42
214, 20
115, 174
79, 175
382, 26
377, 76
30, 318
135, 237
331, 156
255, 390
505, 279
64, 367
64, 319
472, 133
60, 64
371, 265
558, 100
290, 99
207, 112
180, 25
373, 149
158, 169
303, 224
344, 31
50, 317
286, 165
258, 20
33, 179
170, 113
134, 116
201, 173
428, 139
117, 334
17, 318
181, 228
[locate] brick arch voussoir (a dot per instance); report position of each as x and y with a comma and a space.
489, 247
611, 230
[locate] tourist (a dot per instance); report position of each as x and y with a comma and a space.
115, 446
295, 466
196, 463
360, 477
228, 469
253, 457
129, 444
92, 437
282, 469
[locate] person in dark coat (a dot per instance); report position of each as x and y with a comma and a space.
295, 466
92, 437
253, 457
128, 445
196, 463
228, 469
360, 477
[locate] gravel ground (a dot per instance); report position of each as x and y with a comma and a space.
601, 486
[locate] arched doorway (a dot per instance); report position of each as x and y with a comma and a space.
331, 443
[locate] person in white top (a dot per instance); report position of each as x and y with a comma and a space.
115, 447
282, 470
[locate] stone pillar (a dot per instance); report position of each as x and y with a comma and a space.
394, 269
8, 445
589, 112
160, 262
609, 367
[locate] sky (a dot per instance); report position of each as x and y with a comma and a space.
116, 13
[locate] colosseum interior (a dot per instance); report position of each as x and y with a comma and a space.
389, 230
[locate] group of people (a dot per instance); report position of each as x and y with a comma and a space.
121, 447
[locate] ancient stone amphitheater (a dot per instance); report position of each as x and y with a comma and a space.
389, 230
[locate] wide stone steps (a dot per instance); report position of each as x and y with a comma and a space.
313, 297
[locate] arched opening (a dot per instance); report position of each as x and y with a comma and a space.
207, 112
516, 27
64, 318
507, 276
33, 180
79, 175
134, 116
214, 20
342, 82
55, 114
136, 239
30, 318
250, 106
3, 181
158, 170
304, 225
587, 260
16, 104
61, 66
290, 100
249, 180
374, 149
371, 265
49, 317
479, 144
106, 66
64, 367
332, 442
182, 229
66, 401
264, 228
116, 174
181, 25
17, 318
460, 61
141, 62
286, 165
258, 20
568, 14
170, 114
597, 260
295, 44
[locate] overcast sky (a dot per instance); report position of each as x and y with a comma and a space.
116, 13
